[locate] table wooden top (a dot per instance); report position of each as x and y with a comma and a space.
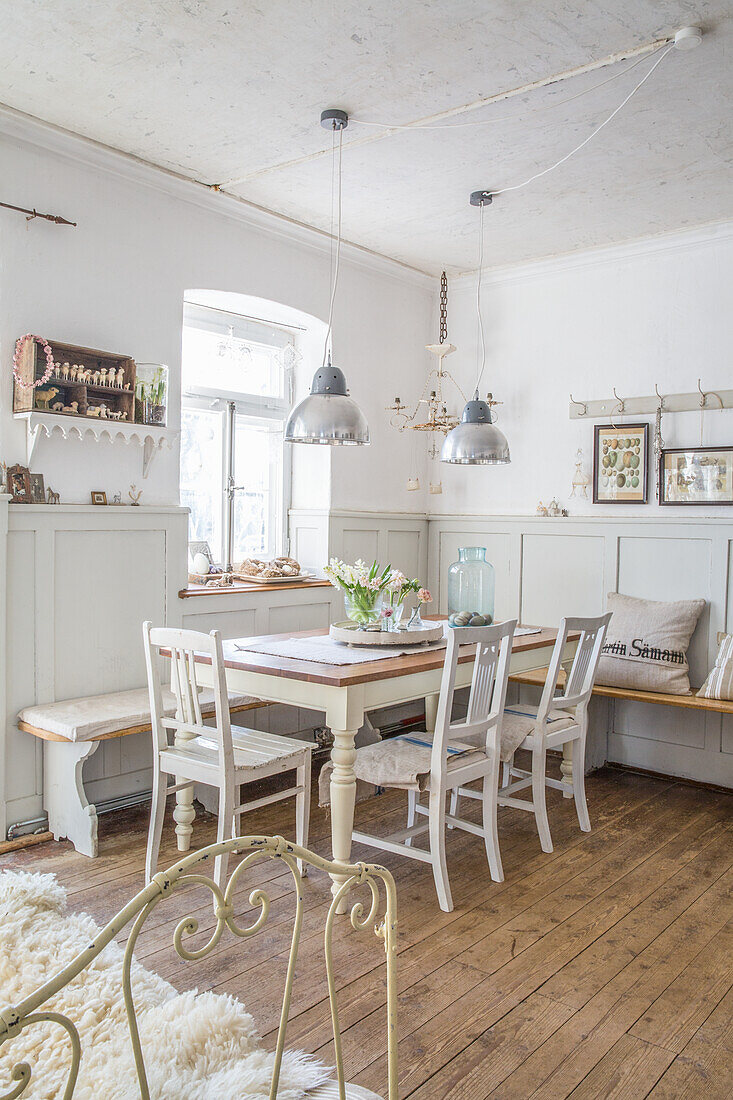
350, 675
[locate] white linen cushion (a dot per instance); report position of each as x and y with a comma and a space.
646, 644
95, 715
519, 722
719, 684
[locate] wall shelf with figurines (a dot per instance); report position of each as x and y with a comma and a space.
147, 436
68, 380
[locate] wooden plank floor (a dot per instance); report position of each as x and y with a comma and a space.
602, 970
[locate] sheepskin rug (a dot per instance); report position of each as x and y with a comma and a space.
202, 1046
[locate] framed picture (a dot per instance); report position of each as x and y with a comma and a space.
38, 489
620, 464
696, 475
98, 496
19, 484
195, 548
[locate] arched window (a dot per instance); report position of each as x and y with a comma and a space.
237, 389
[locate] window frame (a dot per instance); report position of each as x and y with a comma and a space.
229, 405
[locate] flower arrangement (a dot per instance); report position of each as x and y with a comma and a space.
362, 586
372, 593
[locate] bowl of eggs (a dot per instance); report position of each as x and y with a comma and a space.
469, 618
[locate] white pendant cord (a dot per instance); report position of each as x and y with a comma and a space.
338, 248
582, 144
481, 341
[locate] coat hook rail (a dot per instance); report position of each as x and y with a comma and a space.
611, 407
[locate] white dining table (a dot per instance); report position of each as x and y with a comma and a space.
347, 693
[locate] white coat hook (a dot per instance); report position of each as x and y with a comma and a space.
619, 408
660, 396
582, 404
709, 393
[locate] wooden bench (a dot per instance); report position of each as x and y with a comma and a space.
537, 677
71, 731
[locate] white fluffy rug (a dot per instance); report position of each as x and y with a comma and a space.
202, 1046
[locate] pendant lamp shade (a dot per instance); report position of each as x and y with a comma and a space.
476, 441
327, 415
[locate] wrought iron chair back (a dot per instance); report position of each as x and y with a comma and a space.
381, 920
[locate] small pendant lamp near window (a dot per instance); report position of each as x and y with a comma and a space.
328, 415
476, 441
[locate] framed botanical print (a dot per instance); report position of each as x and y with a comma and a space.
620, 464
696, 475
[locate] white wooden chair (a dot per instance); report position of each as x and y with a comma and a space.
457, 753
559, 719
222, 756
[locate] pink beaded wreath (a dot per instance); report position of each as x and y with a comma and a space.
20, 344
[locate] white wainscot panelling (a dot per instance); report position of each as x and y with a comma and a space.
561, 575
82, 581
360, 542
399, 540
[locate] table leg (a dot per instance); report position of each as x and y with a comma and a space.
431, 712
343, 800
184, 813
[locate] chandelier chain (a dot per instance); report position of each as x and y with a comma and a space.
443, 308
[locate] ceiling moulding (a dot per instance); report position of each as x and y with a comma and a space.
677, 241
29, 130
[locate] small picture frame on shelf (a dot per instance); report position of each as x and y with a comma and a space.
620, 463
99, 496
38, 489
696, 475
19, 484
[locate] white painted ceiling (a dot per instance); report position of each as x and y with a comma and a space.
224, 89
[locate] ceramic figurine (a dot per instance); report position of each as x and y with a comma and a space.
124, 416
581, 480
103, 411
135, 496
553, 508
53, 498
127, 385
117, 498
103, 376
65, 371
95, 377
120, 377
72, 373
72, 408
45, 397
541, 509
57, 370
94, 410
58, 407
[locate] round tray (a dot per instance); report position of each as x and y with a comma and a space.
352, 634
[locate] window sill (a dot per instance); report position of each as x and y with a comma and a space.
244, 587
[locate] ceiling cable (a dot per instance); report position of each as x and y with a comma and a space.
506, 118
481, 342
338, 247
577, 148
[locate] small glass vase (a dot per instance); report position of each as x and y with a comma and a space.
471, 583
416, 619
364, 610
398, 610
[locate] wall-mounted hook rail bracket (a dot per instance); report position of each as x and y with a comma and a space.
638, 406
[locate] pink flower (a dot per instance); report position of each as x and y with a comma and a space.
386, 613
424, 596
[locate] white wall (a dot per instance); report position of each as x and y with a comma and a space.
117, 281
655, 311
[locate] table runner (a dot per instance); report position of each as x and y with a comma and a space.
327, 651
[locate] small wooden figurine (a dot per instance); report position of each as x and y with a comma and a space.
94, 410
53, 498
135, 496
103, 376
45, 397
65, 371
120, 376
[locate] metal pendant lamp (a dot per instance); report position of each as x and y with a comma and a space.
328, 415
477, 441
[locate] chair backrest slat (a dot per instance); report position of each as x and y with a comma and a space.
180, 647
581, 677
487, 692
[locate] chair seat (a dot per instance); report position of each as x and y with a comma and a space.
330, 1091
253, 751
404, 762
519, 724
93, 716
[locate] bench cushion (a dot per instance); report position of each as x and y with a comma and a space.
95, 716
